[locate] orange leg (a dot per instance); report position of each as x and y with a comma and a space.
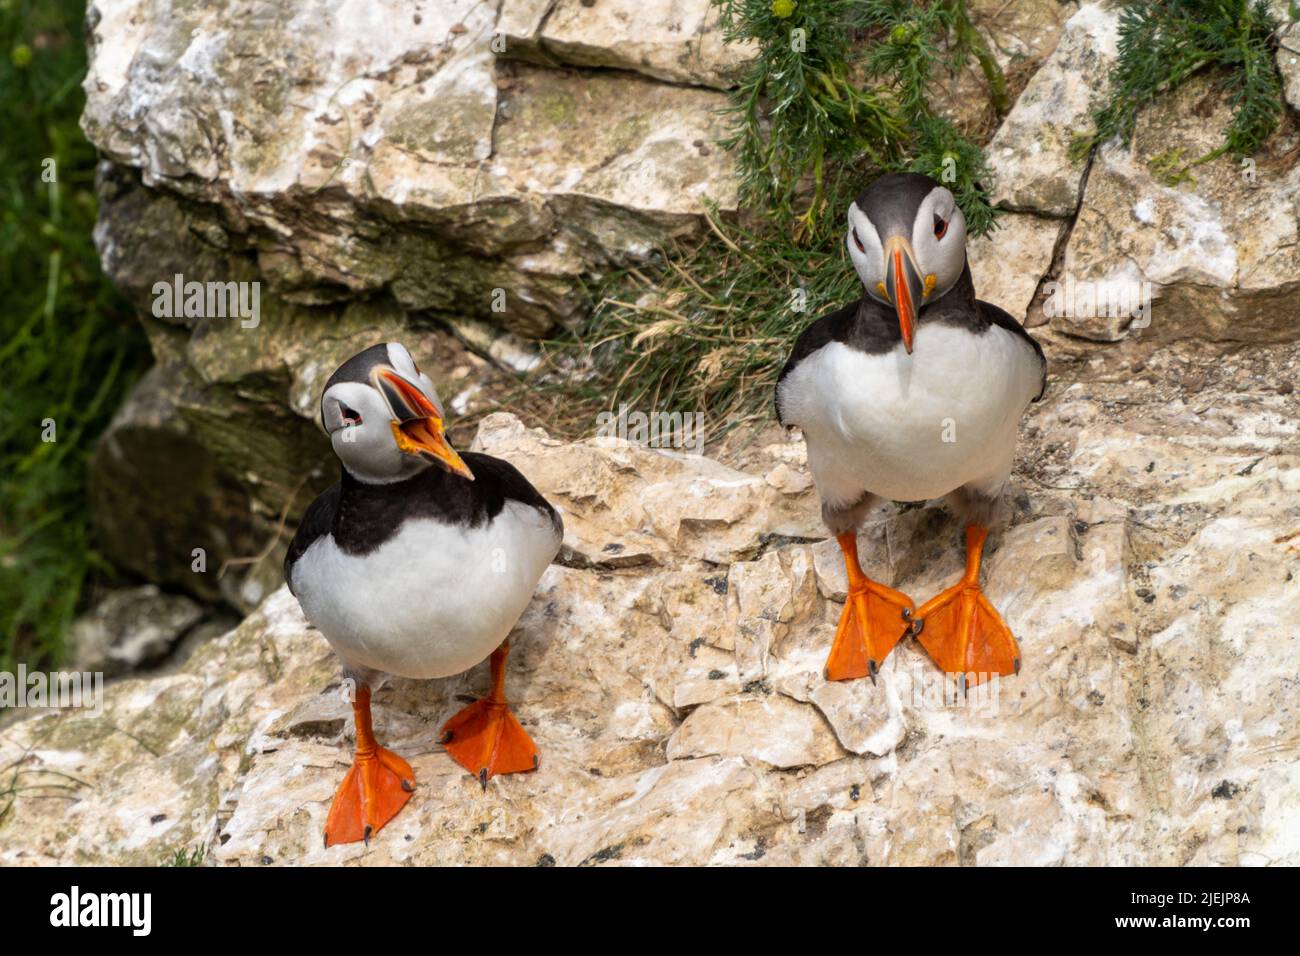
874, 619
376, 787
962, 631
485, 738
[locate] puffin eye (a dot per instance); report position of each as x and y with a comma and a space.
858, 242
350, 415
940, 226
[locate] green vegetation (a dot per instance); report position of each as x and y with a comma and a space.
707, 328
186, 857
838, 92
835, 97
1163, 44
68, 345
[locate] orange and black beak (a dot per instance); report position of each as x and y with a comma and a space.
417, 423
904, 287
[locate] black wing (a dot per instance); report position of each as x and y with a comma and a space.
823, 331
364, 516
999, 317
317, 522
496, 481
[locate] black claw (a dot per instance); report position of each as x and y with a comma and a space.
918, 626
446, 737
907, 614
872, 670
537, 761
1017, 665
408, 786
482, 778
366, 835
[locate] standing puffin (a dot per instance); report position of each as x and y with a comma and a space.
915, 392
417, 563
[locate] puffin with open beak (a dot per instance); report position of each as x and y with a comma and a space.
417, 563
915, 392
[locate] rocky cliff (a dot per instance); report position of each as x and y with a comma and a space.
669, 669
669, 666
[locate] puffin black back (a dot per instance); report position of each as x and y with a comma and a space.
362, 516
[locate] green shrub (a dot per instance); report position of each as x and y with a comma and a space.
1162, 44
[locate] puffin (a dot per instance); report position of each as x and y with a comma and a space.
417, 563
914, 392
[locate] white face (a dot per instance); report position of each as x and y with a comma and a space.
359, 423
937, 239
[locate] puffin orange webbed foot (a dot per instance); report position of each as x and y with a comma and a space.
376, 787
962, 631
485, 737
874, 619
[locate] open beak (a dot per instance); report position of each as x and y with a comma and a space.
416, 424
904, 286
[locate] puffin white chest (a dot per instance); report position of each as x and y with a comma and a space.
912, 427
434, 599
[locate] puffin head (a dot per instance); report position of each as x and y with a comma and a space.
384, 418
907, 240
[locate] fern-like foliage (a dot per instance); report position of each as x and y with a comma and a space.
1164, 42
838, 89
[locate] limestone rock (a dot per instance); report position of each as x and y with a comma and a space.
866, 716
349, 151
1219, 252
772, 730
1008, 264
1288, 51
675, 40
679, 703
1029, 154
624, 504
764, 597
163, 504
131, 627
1019, 36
